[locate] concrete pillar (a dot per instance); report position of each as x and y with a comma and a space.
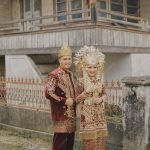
136, 115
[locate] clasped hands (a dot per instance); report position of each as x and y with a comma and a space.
89, 93
69, 101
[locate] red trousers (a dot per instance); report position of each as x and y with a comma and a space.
63, 141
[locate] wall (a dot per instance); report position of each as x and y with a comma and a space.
5, 11
40, 121
26, 118
47, 9
20, 66
117, 66
136, 106
144, 9
45, 63
16, 10
140, 64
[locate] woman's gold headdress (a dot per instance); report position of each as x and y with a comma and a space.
88, 56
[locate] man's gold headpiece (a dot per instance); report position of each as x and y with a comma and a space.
65, 51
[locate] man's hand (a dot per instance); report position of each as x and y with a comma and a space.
69, 102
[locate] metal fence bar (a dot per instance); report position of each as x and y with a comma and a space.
30, 93
23, 92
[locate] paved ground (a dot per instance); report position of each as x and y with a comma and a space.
13, 141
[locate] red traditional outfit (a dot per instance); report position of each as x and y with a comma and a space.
59, 88
93, 126
60, 85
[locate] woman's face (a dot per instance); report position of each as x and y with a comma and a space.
91, 70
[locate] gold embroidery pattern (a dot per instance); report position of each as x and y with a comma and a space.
63, 80
66, 126
97, 144
66, 85
51, 84
92, 121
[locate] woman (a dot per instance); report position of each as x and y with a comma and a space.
89, 63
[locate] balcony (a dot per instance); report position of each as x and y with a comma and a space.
44, 35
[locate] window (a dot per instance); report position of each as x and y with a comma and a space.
133, 3
32, 5
133, 7
37, 5
101, 4
76, 5
31, 9
27, 5
117, 6
61, 8
64, 6
128, 7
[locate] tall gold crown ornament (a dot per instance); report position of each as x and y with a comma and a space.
89, 55
65, 51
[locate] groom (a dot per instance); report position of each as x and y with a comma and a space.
60, 90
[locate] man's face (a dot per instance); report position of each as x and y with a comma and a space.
65, 62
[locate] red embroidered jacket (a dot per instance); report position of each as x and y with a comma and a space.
59, 87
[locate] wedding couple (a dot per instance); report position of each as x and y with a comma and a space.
65, 94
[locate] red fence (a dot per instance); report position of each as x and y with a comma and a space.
29, 93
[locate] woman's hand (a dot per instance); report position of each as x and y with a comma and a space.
97, 100
89, 89
88, 94
83, 96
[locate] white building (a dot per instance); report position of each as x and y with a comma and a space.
31, 32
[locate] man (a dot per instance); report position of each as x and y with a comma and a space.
60, 90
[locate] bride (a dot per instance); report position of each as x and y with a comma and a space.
89, 63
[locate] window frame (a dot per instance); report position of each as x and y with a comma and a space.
68, 9
74, 10
124, 5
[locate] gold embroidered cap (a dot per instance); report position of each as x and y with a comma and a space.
65, 51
